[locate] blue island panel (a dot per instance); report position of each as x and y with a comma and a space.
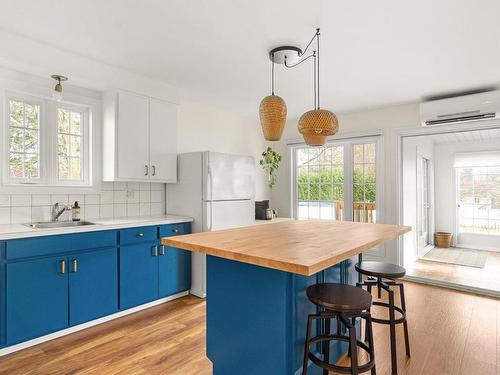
256, 317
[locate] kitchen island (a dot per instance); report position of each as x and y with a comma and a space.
256, 281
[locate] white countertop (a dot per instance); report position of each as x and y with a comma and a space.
13, 231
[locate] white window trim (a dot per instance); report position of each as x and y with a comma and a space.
85, 155
48, 144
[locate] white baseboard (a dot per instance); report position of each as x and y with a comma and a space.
67, 331
484, 248
447, 284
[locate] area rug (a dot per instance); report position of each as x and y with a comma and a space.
455, 255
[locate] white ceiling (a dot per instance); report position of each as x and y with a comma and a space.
374, 53
467, 136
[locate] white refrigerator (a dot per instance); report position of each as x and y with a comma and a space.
218, 191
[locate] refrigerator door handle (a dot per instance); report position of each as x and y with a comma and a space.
210, 217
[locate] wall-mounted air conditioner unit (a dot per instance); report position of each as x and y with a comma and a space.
473, 107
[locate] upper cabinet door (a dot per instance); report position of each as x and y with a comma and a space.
163, 140
133, 136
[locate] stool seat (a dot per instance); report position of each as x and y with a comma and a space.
339, 297
380, 269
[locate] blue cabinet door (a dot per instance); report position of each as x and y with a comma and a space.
174, 271
93, 285
138, 274
37, 298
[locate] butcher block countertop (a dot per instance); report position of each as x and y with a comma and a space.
302, 247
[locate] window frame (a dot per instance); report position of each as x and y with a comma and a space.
48, 150
348, 144
84, 146
457, 170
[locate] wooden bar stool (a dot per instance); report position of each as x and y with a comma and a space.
383, 276
345, 303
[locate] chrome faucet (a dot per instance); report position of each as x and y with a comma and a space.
57, 211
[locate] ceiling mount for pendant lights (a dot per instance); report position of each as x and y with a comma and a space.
314, 125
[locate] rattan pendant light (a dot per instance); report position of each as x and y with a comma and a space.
316, 125
272, 111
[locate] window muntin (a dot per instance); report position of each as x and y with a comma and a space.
24, 140
479, 199
69, 145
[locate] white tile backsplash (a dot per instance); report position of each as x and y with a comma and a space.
92, 199
18, 200
40, 213
4, 215
118, 199
59, 198
4, 200
40, 200
20, 215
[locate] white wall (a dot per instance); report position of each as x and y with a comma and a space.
411, 147
205, 128
445, 193
388, 119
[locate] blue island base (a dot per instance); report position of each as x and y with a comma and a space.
256, 317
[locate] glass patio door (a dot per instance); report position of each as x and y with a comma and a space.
337, 181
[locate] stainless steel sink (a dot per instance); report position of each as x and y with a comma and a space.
58, 224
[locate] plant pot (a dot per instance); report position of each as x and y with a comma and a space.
443, 239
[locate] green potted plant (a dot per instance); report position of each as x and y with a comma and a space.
270, 162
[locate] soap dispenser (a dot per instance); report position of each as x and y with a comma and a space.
75, 212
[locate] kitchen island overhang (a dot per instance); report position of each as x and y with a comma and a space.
256, 280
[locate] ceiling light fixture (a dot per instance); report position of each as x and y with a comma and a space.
314, 125
57, 94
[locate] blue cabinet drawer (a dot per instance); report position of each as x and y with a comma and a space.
136, 235
175, 229
50, 245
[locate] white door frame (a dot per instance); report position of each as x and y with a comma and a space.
398, 135
430, 201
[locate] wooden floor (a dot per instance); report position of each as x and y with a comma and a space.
451, 333
485, 278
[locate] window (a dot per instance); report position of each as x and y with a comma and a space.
335, 176
47, 143
478, 191
69, 142
24, 140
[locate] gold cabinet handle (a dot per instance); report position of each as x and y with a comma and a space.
75, 265
63, 266
162, 251
154, 251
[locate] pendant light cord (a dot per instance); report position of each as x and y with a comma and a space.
272, 76
317, 75
314, 78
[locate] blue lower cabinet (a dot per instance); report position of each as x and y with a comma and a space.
37, 298
174, 271
93, 285
138, 274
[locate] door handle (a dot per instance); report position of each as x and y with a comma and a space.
162, 251
175, 230
75, 266
153, 170
146, 170
140, 234
154, 251
63, 266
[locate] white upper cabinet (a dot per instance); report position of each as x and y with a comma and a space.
133, 136
139, 138
163, 140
